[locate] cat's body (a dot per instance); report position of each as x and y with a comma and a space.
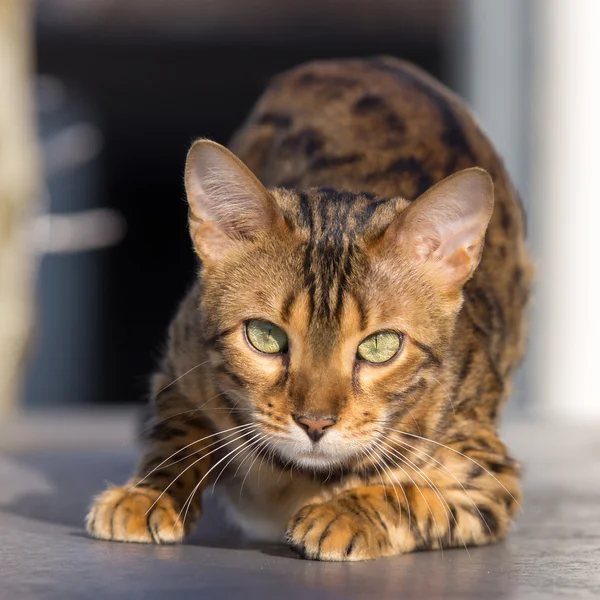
411, 459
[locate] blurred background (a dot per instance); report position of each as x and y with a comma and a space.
94, 251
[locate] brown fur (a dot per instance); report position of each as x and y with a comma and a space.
325, 264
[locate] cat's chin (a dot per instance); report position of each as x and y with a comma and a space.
316, 461
331, 453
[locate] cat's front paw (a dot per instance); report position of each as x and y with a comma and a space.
336, 531
127, 514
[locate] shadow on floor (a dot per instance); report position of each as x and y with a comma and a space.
69, 481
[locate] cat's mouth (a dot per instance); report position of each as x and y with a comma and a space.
321, 456
316, 460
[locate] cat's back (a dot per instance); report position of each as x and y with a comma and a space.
379, 125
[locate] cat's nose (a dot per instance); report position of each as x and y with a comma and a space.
315, 426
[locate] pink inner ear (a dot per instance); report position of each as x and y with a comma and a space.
445, 227
227, 202
211, 244
424, 247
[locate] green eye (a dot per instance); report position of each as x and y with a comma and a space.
379, 347
266, 337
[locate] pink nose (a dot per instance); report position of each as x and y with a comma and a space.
315, 426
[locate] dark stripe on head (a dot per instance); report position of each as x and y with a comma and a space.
363, 312
287, 307
432, 358
309, 278
215, 339
420, 385
345, 275
235, 378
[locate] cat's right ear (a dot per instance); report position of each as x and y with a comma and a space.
444, 229
227, 203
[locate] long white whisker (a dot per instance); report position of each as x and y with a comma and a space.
386, 469
425, 439
413, 465
264, 446
445, 392
239, 427
196, 452
436, 491
418, 489
247, 448
247, 458
183, 412
188, 502
194, 463
415, 420
414, 450
176, 380
154, 423
369, 455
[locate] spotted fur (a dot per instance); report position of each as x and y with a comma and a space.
414, 461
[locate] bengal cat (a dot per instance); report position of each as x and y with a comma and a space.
339, 366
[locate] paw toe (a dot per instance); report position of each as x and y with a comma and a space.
135, 515
323, 532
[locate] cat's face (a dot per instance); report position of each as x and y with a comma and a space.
324, 311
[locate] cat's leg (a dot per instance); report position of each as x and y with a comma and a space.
473, 505
151, 506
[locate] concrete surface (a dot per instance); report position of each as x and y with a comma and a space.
50, 467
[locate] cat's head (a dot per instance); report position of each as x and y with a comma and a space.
325, 311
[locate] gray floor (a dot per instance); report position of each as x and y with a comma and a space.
49, 468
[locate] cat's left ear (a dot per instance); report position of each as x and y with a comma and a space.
445, 227
228, 204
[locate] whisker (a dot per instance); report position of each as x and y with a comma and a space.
445, 391
414, 449
228, 436
183, 412
246, 449
370, 457
382, 449
265, 446
188, 502
250, 455
386, 424
157, 422
415, 420
460, 454
396, 491
238, 427
176, 380
191, 465
436, 491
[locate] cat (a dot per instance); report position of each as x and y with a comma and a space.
339, 367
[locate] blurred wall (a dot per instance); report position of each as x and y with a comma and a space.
566, 209
491, 66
